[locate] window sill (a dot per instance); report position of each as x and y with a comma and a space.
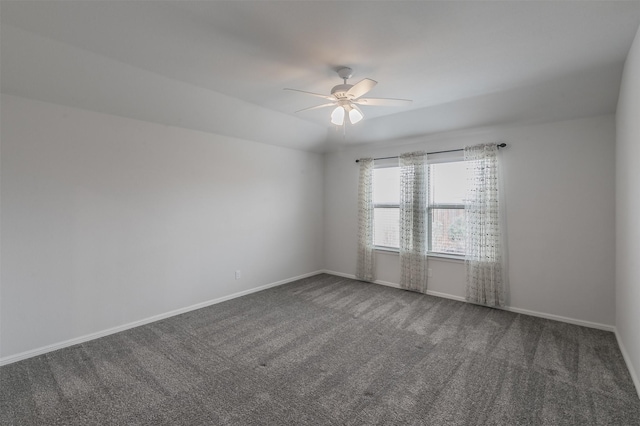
387, 250
435, 256
446, 257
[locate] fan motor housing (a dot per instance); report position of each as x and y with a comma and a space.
340, 91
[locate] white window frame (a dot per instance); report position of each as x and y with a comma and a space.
446, 157
451, 157
383, 164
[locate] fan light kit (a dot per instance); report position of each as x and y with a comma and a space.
346, 98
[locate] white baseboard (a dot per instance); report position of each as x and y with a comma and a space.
568, 320
53, 347
627, 360
394, 285
506, 308
446, 296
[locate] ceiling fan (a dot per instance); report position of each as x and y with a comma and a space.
346, 98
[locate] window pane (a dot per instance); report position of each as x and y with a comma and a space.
448, 182
386, 230
447, 231
386, 185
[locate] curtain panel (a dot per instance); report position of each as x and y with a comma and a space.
365, 268
483, 260
414, 184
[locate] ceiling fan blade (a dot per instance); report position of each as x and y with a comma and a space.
382, 101
361, 87
316, 107
318, 95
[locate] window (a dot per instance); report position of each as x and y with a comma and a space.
386, 206
446, 220
448, 185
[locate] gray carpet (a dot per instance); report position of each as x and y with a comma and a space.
329, 350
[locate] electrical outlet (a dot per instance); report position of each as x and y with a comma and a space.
429, 273
237, 274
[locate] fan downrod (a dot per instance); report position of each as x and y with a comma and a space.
340, 91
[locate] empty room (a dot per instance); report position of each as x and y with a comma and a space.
319, 212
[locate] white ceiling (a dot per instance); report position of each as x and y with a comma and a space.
221, 66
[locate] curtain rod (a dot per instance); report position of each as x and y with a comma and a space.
500, 145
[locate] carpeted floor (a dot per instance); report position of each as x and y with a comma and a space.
329, 350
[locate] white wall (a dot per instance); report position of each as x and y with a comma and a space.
559, 191
628, 212
108, 220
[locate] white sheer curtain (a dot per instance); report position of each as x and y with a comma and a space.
414, 184
483, 235
365, 269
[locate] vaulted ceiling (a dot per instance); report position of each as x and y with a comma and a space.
220, 66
